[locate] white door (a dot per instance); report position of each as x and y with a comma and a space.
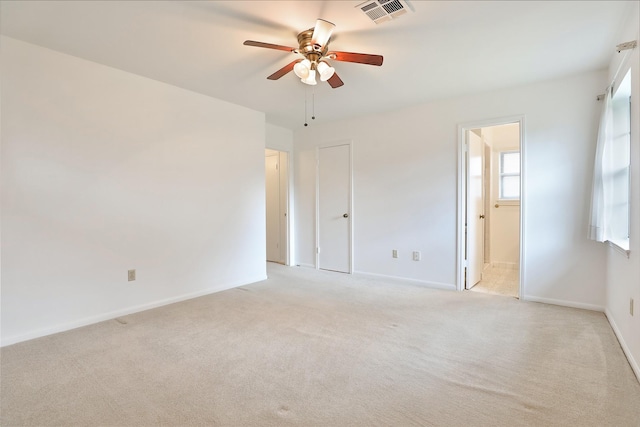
475, 209
283, 167
334, 208
272, 179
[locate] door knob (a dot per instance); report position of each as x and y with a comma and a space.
346, 215
481, 216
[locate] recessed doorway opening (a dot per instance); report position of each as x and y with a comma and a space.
277, 206
490, 213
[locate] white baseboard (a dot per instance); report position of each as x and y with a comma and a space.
123, 312
433, 285
306, 265
563, 303
625, 348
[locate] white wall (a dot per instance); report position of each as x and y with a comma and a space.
405, 184
623, 274
105, 171
279, 138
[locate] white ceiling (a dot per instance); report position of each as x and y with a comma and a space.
442, 49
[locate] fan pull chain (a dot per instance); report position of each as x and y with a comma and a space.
305, 108
313, 105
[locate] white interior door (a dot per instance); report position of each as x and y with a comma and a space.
283, 167
475, 209
272, 179
334, 208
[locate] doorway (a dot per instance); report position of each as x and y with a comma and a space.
490, 209
277, 205
334, 219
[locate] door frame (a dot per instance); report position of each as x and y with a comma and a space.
482, 209
462, 202
347, 142
288, 206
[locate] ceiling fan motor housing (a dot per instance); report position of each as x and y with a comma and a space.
310, 51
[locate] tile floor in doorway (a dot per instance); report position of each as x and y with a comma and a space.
499, 280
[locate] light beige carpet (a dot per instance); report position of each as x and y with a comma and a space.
498, 280
314, 348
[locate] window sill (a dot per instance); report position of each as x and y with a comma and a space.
621, 246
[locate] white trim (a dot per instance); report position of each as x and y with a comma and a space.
461, 201
523, 181
316, 245
351, 210
564, 303
306, 265
461, 208
290, 257
618, 247
625, 348
123, 312
404, 280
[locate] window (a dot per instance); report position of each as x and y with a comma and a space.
609, 220
509, 175
617, 157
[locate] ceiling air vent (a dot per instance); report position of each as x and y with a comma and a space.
383, 10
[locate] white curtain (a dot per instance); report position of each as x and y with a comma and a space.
601, 191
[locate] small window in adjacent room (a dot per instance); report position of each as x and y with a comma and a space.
509, 186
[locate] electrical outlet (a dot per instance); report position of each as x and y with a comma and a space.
131, 275
394, 253
631, 306
416, 255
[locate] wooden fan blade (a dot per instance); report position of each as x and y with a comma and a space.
268, 45
335, 81
284, 70
360, 58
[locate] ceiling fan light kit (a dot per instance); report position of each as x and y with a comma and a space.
313, 46
302, 68
308, 70
322, 32
325, 70
311, 78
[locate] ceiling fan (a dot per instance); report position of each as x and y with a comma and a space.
313, 46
